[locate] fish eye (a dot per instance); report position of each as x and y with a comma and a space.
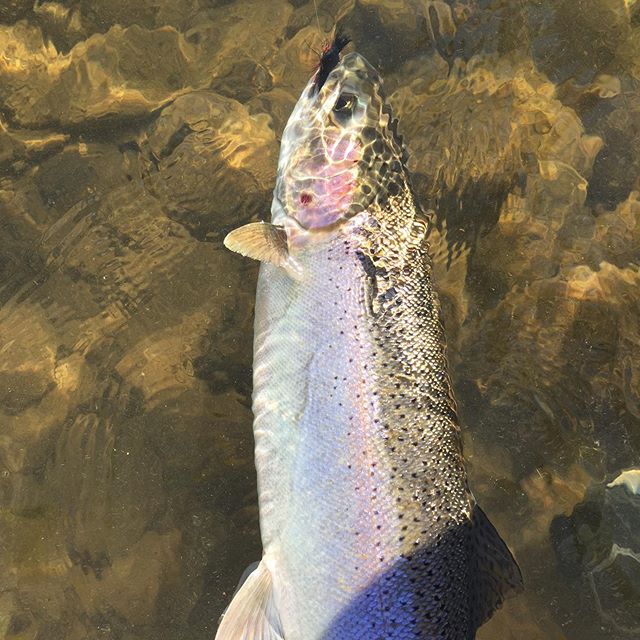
344, 104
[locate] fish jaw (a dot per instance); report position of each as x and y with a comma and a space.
327, 185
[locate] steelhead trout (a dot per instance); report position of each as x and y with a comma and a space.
369, 529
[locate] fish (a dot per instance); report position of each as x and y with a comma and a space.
369, 528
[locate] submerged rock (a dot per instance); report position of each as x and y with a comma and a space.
108, 77
599, 541
591, 29
480, 139
101, 386
576, 326
12, 10
215, 163
132, 383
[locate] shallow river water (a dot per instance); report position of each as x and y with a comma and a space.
135, 135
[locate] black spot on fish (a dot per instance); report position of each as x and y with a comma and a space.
369, 134
393, 189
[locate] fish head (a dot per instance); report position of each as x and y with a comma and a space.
340, 151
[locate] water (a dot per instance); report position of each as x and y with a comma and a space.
134, 135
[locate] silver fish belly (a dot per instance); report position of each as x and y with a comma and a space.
369, 529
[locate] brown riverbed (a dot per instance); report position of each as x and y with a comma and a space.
134, 135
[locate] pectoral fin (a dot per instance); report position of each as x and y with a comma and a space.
252, 614
495, 573
261, 241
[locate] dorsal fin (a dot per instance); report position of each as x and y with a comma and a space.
261, 241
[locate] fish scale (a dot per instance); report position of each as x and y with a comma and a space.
369, 529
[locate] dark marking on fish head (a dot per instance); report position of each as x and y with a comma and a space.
329, 60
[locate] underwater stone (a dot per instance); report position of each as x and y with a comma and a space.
277, 103
228, 37
376, 27
12, 10
600, 538
616, 169
617, 234
478, 137
577, 39
578, 326
330, 13
110, 77
113, 401
79, 172
216, 162
242, 80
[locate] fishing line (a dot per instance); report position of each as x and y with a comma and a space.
315, 6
